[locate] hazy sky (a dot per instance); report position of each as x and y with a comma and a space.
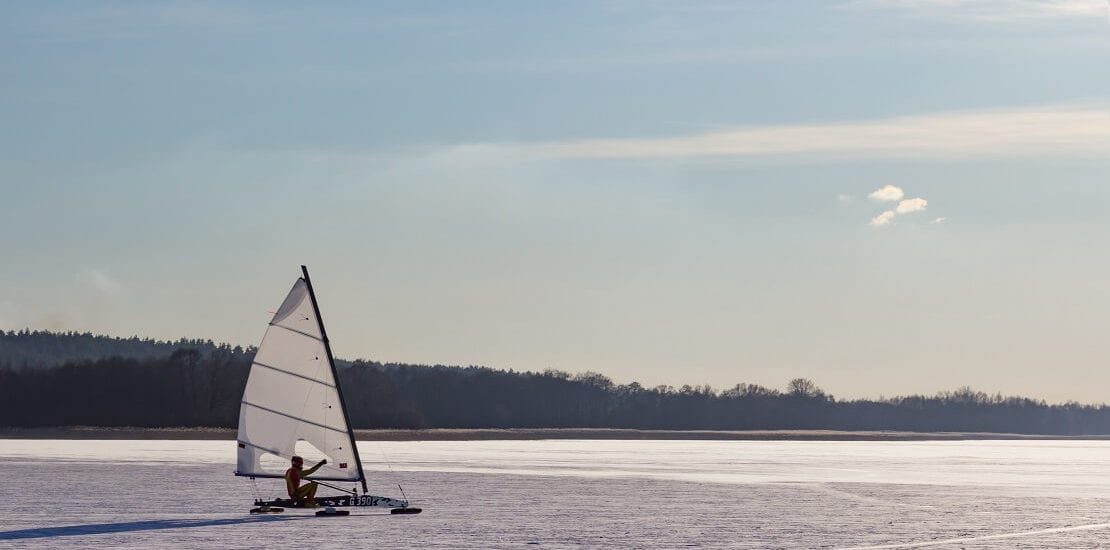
668, 192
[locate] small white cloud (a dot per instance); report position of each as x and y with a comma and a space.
887, 193
939, 220
845, 199
892, 193
883, 219
100, 281
911, 205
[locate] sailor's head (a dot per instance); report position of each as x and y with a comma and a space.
298, 461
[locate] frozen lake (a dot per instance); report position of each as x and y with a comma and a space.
573, 494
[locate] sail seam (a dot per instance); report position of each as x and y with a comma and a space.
310, 379
301, 332
305, 420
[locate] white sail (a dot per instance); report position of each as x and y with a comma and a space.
291, 395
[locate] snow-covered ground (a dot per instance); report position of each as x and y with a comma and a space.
564, 494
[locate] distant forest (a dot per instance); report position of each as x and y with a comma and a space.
70, 379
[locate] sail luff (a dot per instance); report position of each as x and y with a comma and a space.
335, 376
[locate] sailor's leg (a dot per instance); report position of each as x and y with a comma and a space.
306, 493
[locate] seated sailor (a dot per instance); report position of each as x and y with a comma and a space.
302, 495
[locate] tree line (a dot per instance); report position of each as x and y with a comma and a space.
26, 349
191, 387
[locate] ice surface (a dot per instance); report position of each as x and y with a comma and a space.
573, 494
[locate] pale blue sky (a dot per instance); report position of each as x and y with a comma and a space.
668, 192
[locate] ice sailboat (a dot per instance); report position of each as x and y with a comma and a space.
293, 397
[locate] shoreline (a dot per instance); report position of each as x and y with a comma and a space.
509, 434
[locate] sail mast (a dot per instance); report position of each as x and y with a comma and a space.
334, 373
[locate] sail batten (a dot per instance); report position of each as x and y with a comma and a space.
297, 331
291, 417
301, 376
292, 395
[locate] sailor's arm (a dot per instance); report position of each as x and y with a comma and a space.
313, 469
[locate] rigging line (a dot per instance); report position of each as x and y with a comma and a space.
336, 488
392, 474
257, 493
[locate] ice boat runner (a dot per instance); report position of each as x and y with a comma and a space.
292, 395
